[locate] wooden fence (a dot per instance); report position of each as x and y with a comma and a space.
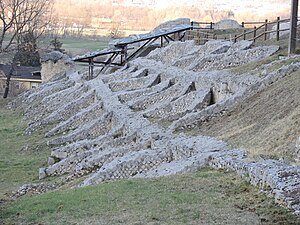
262, 31
197, 25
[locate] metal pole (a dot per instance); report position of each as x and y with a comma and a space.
293, 27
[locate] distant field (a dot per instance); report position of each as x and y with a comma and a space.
80, 46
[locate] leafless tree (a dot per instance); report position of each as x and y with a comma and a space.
18, 17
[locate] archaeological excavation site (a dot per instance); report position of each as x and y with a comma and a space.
170, 109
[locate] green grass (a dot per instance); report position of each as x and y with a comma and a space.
83, 44
205, 197
78, 46
20, 155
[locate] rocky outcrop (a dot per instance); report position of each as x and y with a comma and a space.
172, 23
226, 24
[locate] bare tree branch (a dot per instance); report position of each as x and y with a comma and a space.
18, 17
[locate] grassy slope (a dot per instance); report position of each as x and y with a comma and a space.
205, 197
266, 124
20, 155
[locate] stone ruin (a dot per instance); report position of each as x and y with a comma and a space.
127, 124
54, 64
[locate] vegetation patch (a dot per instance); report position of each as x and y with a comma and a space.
20, 155
205, 197
76, 46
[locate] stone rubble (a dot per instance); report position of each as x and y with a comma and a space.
99, 128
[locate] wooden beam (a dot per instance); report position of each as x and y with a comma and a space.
278, 29
142, 49
266, 29
293, 27
166, 39
183, 36
170, 38
139, 49
109, 62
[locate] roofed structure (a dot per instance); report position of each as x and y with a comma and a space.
21, 72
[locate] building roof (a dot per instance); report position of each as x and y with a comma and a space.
22, 72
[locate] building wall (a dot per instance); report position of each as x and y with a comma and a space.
17, 87
51, 68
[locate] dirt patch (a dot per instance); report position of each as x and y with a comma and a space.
266, 124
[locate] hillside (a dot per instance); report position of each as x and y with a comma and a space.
266, 124
122, 125
180, 109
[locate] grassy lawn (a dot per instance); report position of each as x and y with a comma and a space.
83, 44
78, 46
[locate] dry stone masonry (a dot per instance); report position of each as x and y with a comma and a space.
110, 128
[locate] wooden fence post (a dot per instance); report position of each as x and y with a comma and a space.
278, 28
254, 34
211, 25
266, 29
244, 35
243, 24
235, 39
192, 25
293, 27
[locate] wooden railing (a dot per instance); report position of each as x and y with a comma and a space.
251, 23
262, 31
197, 25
